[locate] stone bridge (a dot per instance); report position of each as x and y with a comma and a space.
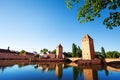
109, 60
74, 59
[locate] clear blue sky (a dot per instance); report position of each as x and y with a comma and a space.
36, 24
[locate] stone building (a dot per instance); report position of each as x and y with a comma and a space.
88, 52
59, 51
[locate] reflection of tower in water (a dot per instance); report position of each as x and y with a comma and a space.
58, 70
90, 74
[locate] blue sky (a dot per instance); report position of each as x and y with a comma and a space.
36, 24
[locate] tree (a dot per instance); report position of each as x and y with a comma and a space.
99, 55
103, 52
91, 9
44, 50
112, 54
69, 54
34, 52
74, 49
22, 52
54, 51
79, 52
37, 55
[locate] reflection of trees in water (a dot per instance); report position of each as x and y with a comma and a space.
106, 72
2, 69
10, 63
57, 67
80, 71
75, 73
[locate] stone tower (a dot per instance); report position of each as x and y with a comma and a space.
88, 52
59, 51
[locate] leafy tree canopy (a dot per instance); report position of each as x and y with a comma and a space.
91, 9
22, 51
44, 50
54, 51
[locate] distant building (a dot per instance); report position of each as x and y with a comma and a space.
88, 52
52, 55
29, 54
59, 51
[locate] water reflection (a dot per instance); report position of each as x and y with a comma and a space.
62, 71
57, 67
90, 74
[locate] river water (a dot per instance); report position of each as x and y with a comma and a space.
22, 70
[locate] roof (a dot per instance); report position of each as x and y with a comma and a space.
29, 53
6, 51
59, 45
86, 37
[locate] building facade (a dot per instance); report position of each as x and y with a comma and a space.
88, 52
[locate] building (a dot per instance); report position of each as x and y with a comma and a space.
59, 51
88, 52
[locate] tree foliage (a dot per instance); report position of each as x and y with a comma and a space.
44, 50
69, 54
79, 52
37, 55
22, 52
103, 52
54, 51
76, 51
91, 9
109, 54
112, 54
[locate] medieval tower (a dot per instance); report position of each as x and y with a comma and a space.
59, 51
88, 52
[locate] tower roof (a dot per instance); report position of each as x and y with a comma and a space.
86, 37
59, 45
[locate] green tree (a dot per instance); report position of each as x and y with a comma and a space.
37, 55
74, 50
103, 52
44, 50
112, 54
91, 9
54, 51
79, 52
69, 54
22, 52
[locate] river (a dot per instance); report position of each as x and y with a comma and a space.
24, 70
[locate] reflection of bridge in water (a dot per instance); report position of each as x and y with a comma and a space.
113, 69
